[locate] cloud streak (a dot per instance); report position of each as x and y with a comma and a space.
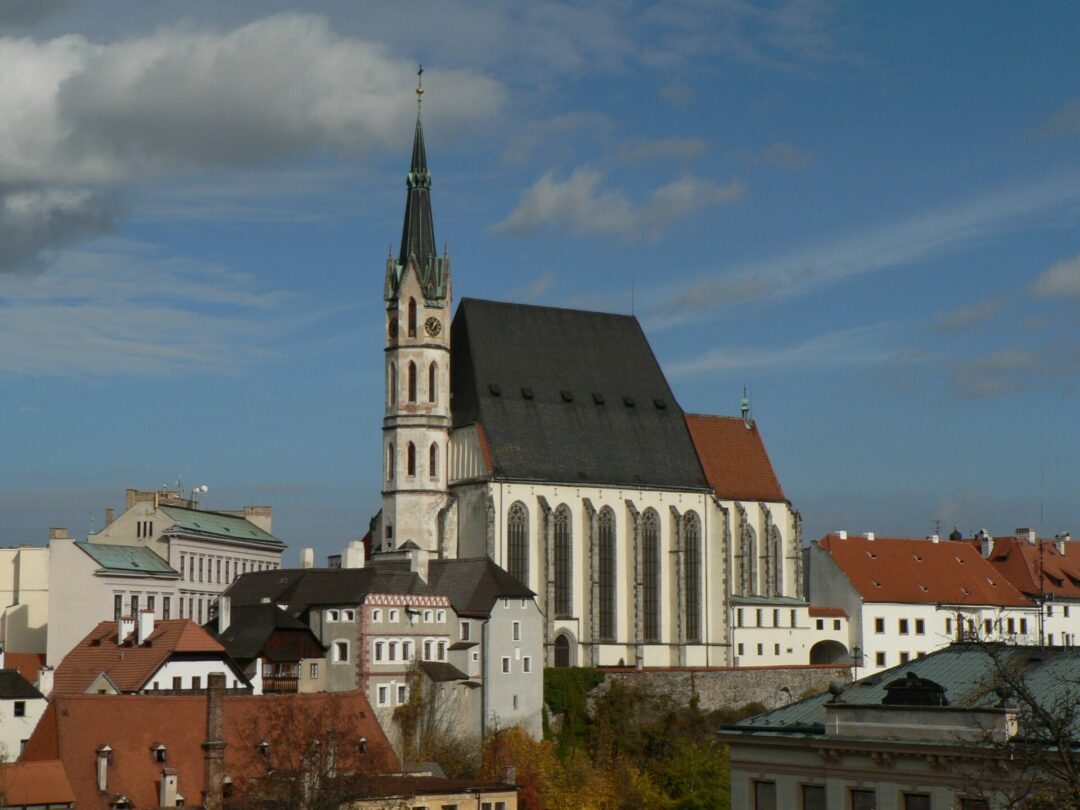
1061, 279
580, 204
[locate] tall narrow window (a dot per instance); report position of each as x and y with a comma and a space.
776, 551
692, 538
748, 543
412, 317
606, 573
433, 461
432, 383
517, 554
392, 385
563, 569
412, 381
410, 459
650, 575
389, 461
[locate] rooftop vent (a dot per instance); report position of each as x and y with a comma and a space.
527, 392
660, 404
567, 396
494, 390
597, 398
869, 536
841, 534
629, 402
911, 690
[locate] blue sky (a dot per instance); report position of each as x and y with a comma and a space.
867, 214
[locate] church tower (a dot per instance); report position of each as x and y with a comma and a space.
416, 424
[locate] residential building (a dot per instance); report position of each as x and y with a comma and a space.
930, 734
550, 441
271, 647
439, 793
130, 751
95, 582
21, 706
779, 631
906, 597
139, 656
1046, 571
35, 785
24, 597
209, 549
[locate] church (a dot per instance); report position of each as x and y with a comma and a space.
550, 441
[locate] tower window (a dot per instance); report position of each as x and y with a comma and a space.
389, 461
412, 317
692, 529
563, 557
518, 542
393, 384
433, 461
432, 378
650, 575
412, 382
410, 459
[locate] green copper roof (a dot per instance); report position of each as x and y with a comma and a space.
132, 559
193, 521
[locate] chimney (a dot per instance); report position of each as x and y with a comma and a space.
353, 556
986, 543
418, 562
146, 625
224, 613
125, 628
869, 536
45, 681
214, 747
110, 516
1028, 534
167, 792
307, 558
58, 533
935, 538
842, 534
104, 754
261, 516
1060, 540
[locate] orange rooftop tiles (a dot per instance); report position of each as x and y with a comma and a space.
734, 458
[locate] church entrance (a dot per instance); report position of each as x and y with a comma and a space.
562, 651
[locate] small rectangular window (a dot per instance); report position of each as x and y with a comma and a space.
903, 626
948, 626
135, 605
118, 607
794, 619
759, 616
739, 617
1012, 626
863, 799
196, 682
402, 694
916, 801
988, 627
879, 625
775, 618
739, 648
150, 602
383, 695
764, 795
166, 607
526, 664
760, 649
879, 659
820, 624
517, 631
813, 797
313, 671
1023, 626
904, 657
465, 630
20, 708
506, 664
177, 682
920, 627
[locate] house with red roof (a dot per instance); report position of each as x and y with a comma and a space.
35, 785
1045, 570
132, 657
906, 597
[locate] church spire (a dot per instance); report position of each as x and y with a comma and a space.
418, 230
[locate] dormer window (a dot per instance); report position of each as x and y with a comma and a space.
362, 745
263, 747
159, 753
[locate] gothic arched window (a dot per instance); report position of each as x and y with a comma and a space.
412, 381
410, 459
412, 317
433, 460
776, 551
606, 573
432, 380
749, 560
517, 533
563, 565
390, 461
650, 575
692, 539
393, 384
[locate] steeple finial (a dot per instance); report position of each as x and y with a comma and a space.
418, 231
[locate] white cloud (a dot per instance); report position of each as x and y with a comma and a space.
82, 117
846, 347
580, 204
664, 149
779, 155
970, 316
932, 233
1059, 279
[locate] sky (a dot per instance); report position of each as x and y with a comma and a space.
865, 214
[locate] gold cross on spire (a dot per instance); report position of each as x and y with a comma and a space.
419, 83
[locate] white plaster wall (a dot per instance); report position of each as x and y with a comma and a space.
13, 730
187, 669
24, 589
502, 688
795, 642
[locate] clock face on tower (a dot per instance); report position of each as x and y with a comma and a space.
432, 326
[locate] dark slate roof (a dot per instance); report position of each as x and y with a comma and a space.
251, 625
14, 686
474, 584
299, 588
440, 672
569, 396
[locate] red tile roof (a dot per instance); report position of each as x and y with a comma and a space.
1020, 562
28, 664
734, 458
131, 665
827, 612
895, 569
26, 783
74, 727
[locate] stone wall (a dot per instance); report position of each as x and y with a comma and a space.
716, 688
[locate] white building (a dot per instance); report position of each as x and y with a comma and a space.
92, 582
21, 706
24, 597
908, 597
209, 549
549, 441
774, 632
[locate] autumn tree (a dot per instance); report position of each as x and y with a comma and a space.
433, 727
